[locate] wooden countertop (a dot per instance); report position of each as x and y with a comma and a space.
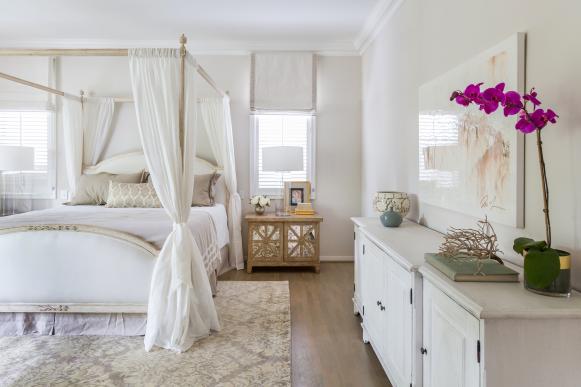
485, 300
272, 217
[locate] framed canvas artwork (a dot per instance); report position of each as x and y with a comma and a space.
468, 161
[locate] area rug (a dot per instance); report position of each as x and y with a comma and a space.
252, 349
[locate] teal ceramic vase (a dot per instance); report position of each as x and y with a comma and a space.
391, 218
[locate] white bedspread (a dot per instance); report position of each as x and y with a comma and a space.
150, 224
209, 225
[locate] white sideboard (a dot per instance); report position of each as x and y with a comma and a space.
431, 331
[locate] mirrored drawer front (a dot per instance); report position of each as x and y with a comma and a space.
266, 241
302, 241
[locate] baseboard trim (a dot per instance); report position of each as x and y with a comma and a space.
336, 258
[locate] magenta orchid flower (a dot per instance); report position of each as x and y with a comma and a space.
491, 98
512, 102
473, 91
532, 97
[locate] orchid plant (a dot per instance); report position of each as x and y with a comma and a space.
542, 262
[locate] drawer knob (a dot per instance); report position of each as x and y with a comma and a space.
382, 307
423, 351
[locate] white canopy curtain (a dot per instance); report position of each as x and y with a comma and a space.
181, 309
215, 113
87, 127
97, 117
73, 141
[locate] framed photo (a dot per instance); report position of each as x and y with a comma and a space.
296, 192
297, 196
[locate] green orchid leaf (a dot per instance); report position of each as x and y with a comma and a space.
539, 245
519, 244
541, 267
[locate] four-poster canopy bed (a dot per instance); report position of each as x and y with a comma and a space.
81, 261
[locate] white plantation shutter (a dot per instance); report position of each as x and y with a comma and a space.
278, 130
34, 129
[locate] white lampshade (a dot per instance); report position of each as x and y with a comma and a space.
282, 158
16, 158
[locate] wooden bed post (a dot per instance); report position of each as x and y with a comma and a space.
182, 96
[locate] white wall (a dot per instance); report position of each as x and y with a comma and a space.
338, 126
425, 39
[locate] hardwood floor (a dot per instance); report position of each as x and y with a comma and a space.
327, 349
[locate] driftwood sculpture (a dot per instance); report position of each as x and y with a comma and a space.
477, 244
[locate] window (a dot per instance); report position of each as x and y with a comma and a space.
276, 129
34, 128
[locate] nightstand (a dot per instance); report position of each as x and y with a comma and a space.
283, 240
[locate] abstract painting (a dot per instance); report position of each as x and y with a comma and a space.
470, 162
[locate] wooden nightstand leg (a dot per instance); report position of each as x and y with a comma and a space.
248, 268
317, 268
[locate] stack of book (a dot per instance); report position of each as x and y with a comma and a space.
467, 270
304, 209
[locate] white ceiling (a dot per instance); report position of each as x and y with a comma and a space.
210, 25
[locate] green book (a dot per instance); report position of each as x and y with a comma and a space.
464, 270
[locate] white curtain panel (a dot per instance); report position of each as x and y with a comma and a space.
98, 114
216, 117
283, 81
73, 141
181, 309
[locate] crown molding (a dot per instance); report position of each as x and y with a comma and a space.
329, 48
378, 17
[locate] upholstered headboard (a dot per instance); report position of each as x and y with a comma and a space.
135, 162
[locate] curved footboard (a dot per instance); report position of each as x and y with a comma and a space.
74, 268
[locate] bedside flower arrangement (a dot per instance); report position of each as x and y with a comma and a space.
546, 270
260, 202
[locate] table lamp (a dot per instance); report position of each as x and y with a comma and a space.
14, 158
282, 159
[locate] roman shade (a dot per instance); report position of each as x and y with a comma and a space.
283, 81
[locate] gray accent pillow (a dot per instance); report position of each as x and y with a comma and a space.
204, 189
94, 189
221, 191
131, 195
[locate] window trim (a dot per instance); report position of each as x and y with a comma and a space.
253, 159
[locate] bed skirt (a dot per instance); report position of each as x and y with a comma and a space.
88, 324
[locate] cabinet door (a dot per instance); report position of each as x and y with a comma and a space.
358, 281
265, 241
398, 346
374, 300
451, 337
302, 242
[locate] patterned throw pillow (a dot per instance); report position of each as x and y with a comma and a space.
127, 195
